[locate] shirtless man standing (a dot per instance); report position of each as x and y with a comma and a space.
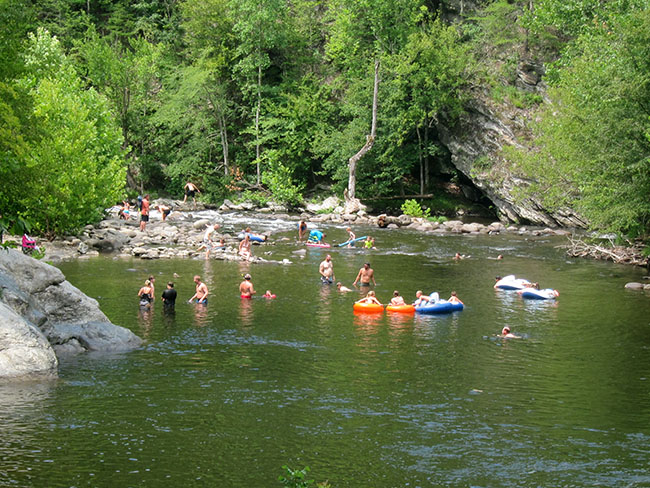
190, 191
201, 294
365, 276
326, 270
144, 213
246, 289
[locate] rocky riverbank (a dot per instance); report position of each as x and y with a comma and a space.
181, 234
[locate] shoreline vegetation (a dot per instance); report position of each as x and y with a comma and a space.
535, 112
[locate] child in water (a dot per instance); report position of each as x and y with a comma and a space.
370, 298
268, 294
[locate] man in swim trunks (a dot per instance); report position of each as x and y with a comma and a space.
246, 289
365, 276
201, 294
190, 191
144, 213
326, 270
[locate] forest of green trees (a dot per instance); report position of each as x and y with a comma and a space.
271, 97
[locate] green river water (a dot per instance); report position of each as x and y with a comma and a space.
224, 395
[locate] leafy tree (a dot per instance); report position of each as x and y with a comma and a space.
260, 28
71, 167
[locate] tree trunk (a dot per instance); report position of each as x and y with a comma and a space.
370, 139
426, 157
421, 159
224, 143
257, 122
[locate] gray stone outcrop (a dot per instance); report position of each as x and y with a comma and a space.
46, 315
478, 138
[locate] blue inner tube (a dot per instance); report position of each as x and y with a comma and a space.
439, 307
252, 237
546, 294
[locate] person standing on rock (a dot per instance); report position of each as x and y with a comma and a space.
190, 191
365, 276
326, 270
144, 213
169, 297
208, 243
201, 294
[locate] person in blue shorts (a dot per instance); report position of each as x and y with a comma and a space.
201, 294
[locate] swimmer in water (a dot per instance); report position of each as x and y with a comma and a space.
506, 334
342, 288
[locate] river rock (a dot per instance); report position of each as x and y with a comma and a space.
68, 319
634, 286
327, 204
200, 224
24, 350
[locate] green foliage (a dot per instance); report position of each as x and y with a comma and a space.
297, 478
68, 166
258, 198
438, 218
592, 150
277, 177
414, 209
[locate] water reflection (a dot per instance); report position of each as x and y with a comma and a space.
246, 316
22, 405
200, 314
145, 320
325, 305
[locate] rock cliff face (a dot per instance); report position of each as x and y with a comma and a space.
42, 314
478, 137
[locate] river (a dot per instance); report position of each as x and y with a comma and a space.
226, 394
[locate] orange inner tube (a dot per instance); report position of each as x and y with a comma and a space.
400, 308
368, 307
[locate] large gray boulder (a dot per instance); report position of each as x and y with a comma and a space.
70, 321
24, 350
